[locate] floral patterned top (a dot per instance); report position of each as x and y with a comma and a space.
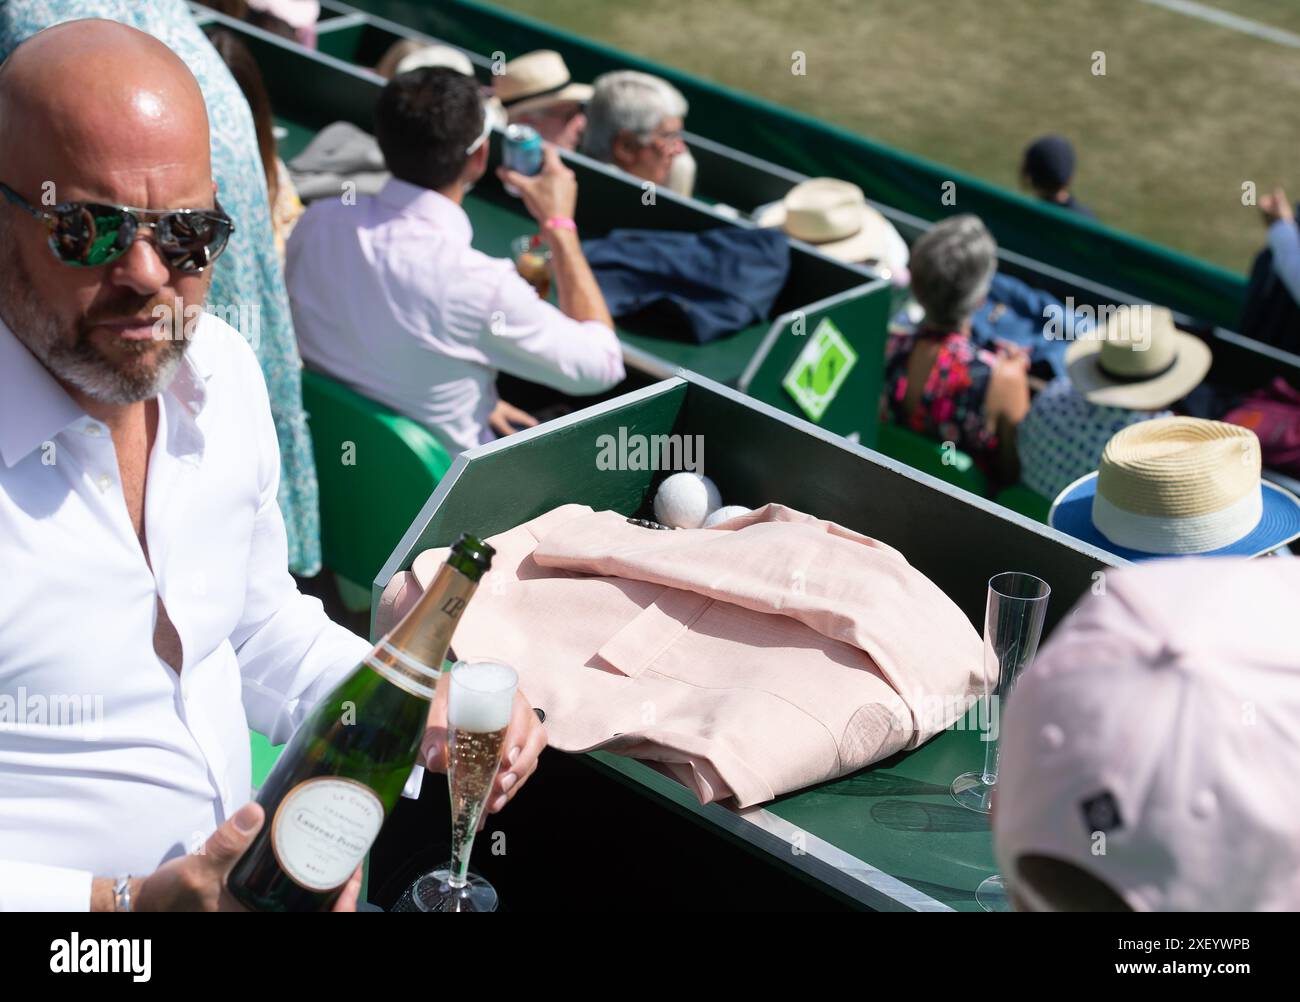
247, 280
951, 406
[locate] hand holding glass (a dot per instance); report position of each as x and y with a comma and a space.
480, 699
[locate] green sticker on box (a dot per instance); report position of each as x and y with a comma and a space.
820, 370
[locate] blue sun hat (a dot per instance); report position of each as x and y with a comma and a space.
1177, 486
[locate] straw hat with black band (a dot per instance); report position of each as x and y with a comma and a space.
536, 80
1138, 360
1175, 486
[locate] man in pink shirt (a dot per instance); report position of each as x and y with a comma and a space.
389, 297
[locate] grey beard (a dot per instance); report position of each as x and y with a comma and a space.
77, 362
80, 365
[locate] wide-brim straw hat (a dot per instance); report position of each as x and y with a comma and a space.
1137, 360
537, 80
834, 216
1177, 486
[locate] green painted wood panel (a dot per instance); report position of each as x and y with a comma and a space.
899, 816
534, 471
895, 815
862, 318
343, 42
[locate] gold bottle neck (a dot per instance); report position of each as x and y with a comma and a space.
411, 654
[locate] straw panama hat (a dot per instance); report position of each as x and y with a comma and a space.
537, 79
834, 216
1111, 366
1175, 486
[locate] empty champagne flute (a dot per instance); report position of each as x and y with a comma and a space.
1013, 626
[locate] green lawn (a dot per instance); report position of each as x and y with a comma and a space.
1186, 112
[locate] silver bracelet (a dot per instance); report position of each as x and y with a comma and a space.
122, 894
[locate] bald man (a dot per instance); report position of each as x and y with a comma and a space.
147, 617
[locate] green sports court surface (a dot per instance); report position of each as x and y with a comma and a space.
1196, 99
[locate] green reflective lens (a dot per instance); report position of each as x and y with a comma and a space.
89, 235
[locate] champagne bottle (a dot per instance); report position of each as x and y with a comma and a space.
345, 766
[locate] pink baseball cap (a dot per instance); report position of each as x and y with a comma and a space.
1155, 743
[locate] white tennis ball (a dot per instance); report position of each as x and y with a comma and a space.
724, 513
684, 500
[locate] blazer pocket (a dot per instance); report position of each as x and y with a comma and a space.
652, 631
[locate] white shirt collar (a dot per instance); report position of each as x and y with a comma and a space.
34, 407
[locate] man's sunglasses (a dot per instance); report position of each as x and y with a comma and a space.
88, 234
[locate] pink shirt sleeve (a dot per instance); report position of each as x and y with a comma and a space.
529, 338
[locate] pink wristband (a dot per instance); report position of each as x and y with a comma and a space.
561, 223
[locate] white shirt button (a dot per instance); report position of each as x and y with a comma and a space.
104, 481
92, 429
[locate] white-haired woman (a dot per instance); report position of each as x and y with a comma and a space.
635, 121
937, 382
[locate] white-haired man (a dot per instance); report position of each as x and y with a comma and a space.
635, 121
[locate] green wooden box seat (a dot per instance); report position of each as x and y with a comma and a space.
1029, 503
738, 177
325, 85
311, 89
376, 469
888, 837
920, 453
757, 358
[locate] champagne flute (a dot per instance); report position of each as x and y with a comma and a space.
480, 699
1013, 626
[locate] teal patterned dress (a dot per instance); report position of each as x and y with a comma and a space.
247, 279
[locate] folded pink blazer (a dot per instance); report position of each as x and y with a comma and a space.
761, 656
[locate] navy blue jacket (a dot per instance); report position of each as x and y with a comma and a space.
691, 286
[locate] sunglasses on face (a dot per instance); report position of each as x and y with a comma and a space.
88, 234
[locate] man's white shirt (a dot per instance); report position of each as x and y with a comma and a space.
110, 761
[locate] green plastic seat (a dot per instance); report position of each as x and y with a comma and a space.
376, 470
1022, 499
264, 756
948, 464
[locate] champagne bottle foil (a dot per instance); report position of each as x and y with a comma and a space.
404, 671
